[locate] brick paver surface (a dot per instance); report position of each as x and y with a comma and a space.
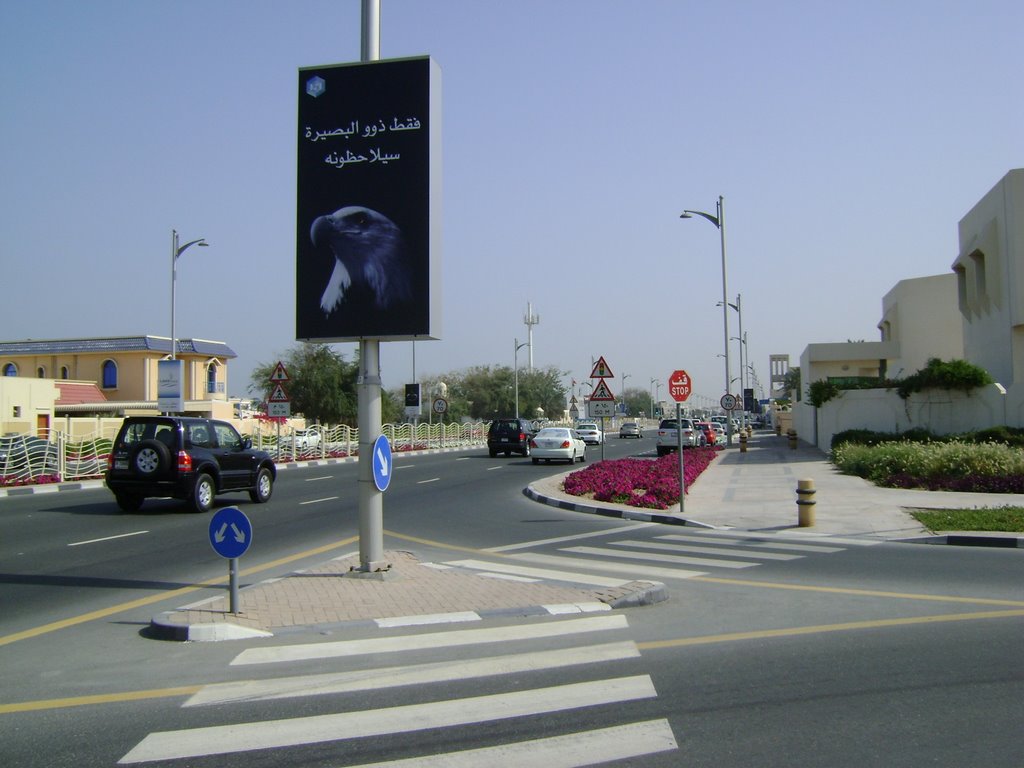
325, 595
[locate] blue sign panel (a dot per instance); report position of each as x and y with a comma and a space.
382, 464
230, 532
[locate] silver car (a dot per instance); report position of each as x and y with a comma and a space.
558, 443
631, 429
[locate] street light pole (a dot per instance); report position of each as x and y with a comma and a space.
719, 222
176, 251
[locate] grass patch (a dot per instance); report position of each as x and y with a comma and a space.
1009, 519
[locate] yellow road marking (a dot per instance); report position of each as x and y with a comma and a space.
442, 545
121, 607
821, 628
103, 698
864, 592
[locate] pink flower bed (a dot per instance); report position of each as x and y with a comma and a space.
647, 483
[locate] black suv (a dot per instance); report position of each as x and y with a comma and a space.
510, 436
185, 458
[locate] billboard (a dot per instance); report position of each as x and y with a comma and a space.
368, 230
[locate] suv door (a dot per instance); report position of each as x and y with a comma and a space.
234, 460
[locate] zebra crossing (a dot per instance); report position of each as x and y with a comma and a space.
586, 648
666, 556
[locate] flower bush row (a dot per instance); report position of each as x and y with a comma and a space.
647, 483
954, 465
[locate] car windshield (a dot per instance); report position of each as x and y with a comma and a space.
587, 427
553, 432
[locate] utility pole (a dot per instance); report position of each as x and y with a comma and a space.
531, 320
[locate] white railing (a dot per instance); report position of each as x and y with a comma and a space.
53, 456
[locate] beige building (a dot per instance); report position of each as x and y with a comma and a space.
122, 369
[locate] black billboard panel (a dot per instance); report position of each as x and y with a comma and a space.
368, 232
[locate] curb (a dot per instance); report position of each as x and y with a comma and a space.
610, 511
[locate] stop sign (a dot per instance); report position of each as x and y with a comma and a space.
679, 386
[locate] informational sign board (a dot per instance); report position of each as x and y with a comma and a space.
169, 386
602, 408
368, 235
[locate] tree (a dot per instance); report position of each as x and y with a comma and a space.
322, 386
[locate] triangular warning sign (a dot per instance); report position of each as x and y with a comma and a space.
278, 395
279, 374
601, 371
601, 392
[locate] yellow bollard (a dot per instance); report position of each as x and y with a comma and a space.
743, 442
805, 503
778, 429
791, 434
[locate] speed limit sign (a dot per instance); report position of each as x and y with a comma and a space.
440, 405
728, 402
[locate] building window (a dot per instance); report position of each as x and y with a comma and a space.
40, 372
109, 374
10, 370
211, 378
65, 373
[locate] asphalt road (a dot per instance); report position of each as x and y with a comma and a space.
770, 651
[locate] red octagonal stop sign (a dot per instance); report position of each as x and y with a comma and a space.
679, 386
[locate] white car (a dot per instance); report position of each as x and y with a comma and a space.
590, 432
558, 443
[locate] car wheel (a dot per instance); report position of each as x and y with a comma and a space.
202, 493
536, 461
151, 458
494, 453
129, 502
260, 494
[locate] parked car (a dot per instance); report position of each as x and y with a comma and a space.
561, 443
590, 432
631, 429
300, 441
708, 436
668, 435
185, 458
509, 436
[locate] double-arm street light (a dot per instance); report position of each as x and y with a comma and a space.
176, 251
719, 222
515, 364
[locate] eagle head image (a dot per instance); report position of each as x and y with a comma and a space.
369, 258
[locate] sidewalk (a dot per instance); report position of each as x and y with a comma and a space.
753, 490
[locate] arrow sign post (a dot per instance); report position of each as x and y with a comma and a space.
382, 463
230, 537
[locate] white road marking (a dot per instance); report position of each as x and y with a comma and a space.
572, 750
521, 570
560, 539
462, 637
432, 618
431, 480
758, 543
416, 674
634, 570
703, 561
704, 550
317, 501
107, 538
220, 740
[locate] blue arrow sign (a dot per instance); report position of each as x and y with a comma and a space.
230, 532
382, 464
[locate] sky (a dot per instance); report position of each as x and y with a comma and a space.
846, 138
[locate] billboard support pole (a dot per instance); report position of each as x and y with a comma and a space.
371, 500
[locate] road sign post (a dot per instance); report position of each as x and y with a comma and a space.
230, 537
679, 387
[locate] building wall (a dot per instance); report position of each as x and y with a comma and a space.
25, 402
990, 280
921, 316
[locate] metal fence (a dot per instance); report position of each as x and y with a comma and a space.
52, 456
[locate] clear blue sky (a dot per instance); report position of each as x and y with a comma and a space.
848, 139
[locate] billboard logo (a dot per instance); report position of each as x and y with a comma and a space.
316, 86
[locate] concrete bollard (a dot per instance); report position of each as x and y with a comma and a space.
805, 503
791, 434
778, 429
743, 442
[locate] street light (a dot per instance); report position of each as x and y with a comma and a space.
719, 222
656, 388
176, 251
515, 363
